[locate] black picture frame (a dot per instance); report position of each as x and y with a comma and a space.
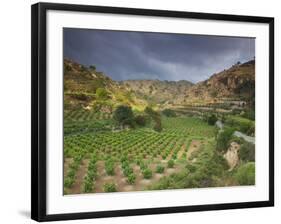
38, 109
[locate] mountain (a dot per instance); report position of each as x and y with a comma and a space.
92, 90
235, 83
158, 91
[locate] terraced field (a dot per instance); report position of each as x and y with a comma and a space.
99, 159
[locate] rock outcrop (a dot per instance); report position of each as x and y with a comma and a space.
232, 156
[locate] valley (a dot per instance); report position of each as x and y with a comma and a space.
135, 135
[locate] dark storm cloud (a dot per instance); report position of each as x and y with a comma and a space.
139, 55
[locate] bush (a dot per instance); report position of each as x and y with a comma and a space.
171, 163
131, 178
241, 124
68, 182
127, 171
156, 118
245, 174
143, 165
140, 120
92, 67
191, 168
159, 169
67, 67
88, 185
169, 113
223, 139
236, 111
212, 119
109, 187
147, 173
101, 93
109, 167
250, 114
247, 152
124, 115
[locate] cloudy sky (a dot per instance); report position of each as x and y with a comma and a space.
139, 55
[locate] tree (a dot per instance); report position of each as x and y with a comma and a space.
92, 67
156, 118
169, 113
223, 139
158, 124
140, 120
101, 93
124, 115
212, 119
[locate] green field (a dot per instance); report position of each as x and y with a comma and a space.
99, 158
92, 140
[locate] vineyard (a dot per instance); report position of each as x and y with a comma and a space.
100, 159
151, 134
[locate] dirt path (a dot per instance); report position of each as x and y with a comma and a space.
102, 177
193, 148
81, 172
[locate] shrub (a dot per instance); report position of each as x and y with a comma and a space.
143, 166
109, 187
191, 168
67, 67
212, 119
68, 182
101, 93
236, 111
169, 113
92, 67
171, 163
127, 171
247, 152
250, 114
109, 167
245, 174
159, 169
131, 178
241, 124
223, 139
147, 173
88, 185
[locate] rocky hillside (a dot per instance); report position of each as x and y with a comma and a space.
158, 91
237, 82
92, 90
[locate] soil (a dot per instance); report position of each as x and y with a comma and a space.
182, 150
67, 162
121, 181
193, 148
81, 172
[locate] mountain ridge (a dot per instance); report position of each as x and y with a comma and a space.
82, 83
